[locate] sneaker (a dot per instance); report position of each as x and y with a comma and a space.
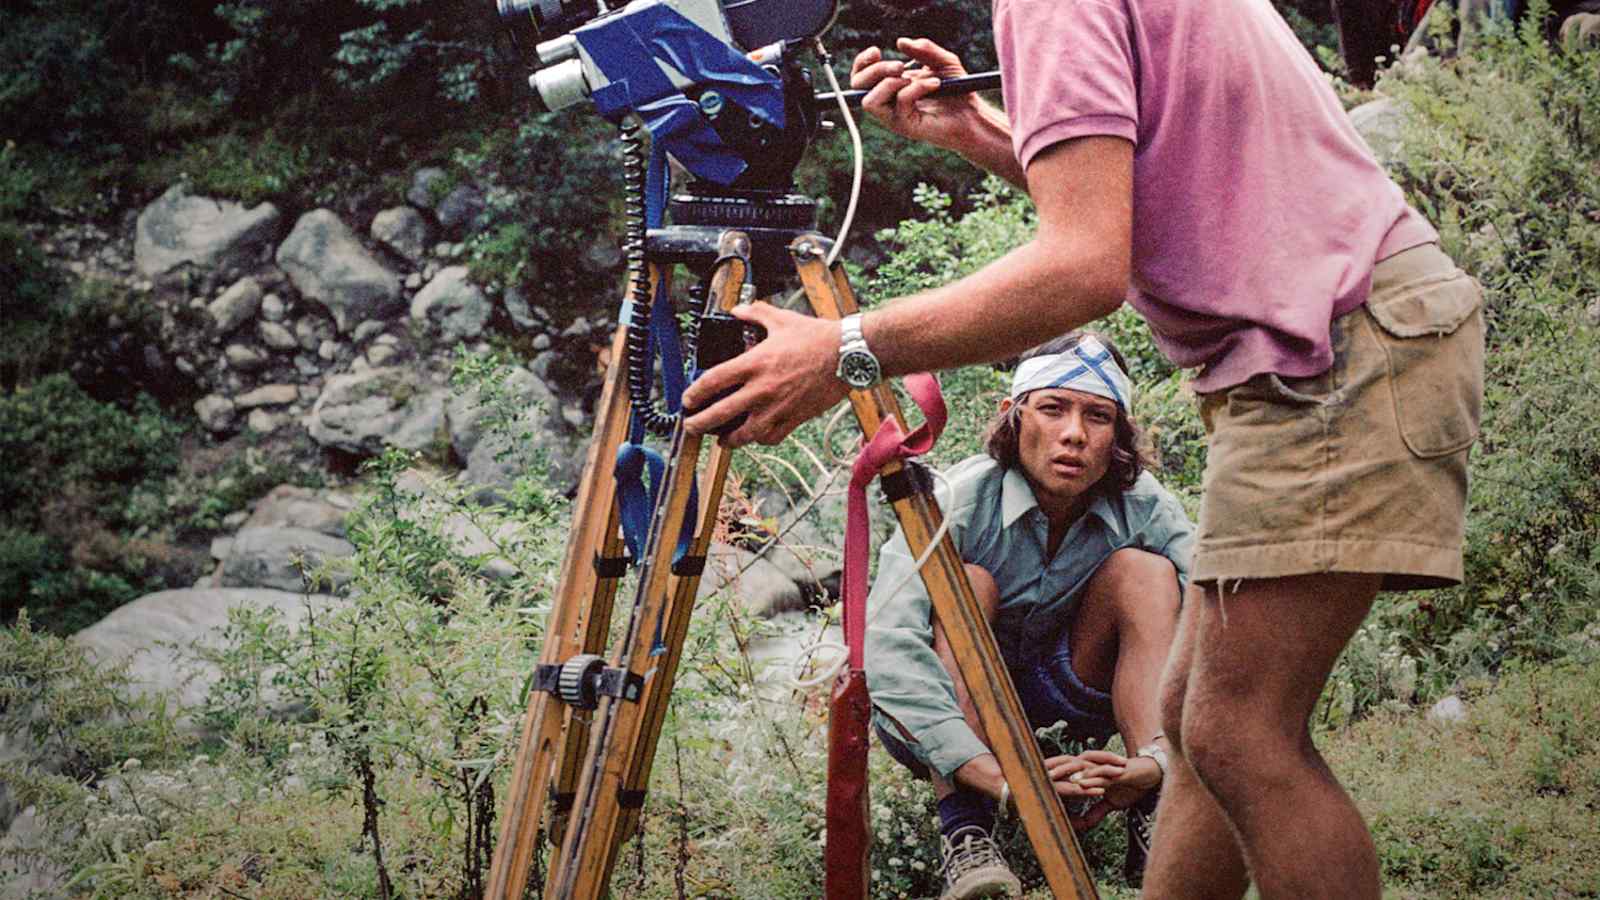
1141, 819
973, 867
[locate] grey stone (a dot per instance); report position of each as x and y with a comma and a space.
273, 309
466, 411
542, 343
307, 366
185, 366
235, 518
460, 208
413, 281
292, 506
328, 350
1379, 123
390, 339
360, 364
367, 329
268, 395
518, 309
215, 412
430, 270
308, 392
403, 230
158, 634
364, 412
180, 229
382, 354
245, 358
237, 305
262, 422
221, 546
34, 875
1448, 710
1593, 312
762, 589
443, 250
578, 329
276, 336
327, 264
422, 191
273, 557
451, 306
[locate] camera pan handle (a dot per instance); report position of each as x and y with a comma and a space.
948, 87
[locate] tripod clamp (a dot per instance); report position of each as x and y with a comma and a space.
581, 681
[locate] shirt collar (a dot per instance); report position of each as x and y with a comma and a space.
1016, 499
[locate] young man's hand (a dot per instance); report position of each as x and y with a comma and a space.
897, 94
1117, 781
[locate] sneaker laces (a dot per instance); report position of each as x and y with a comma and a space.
969, 850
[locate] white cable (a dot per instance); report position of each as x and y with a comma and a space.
855, 144
802, 658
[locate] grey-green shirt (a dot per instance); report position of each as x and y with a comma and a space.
996, 523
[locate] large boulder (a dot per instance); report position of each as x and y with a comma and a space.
1379, 123
451, 306
291, 506
363, 412
496, 457
327, 263
276, 557
760, 588
181, 229
158, 634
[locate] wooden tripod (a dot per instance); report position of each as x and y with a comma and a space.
590, 731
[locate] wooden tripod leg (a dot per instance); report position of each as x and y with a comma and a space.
570, 628
623, 745
973, 644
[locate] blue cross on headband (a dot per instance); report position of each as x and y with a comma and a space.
1088, 367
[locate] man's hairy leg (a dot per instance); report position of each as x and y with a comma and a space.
1196, 853
1262, 652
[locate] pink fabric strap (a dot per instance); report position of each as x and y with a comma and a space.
890, 443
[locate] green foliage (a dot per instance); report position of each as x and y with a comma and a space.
67, 466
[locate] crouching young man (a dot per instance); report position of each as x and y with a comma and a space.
1079, 559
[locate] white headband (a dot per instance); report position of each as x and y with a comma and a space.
1087, 367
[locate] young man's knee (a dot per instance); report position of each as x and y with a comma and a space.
1148, 581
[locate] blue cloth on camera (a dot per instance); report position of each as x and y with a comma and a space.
996, 523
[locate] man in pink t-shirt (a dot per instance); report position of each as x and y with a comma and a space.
1188, 157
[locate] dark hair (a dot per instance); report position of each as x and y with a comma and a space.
1128, 455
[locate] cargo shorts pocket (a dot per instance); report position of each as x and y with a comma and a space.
1432, 333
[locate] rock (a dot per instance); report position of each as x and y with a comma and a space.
221, 546
423, 194
451, 306
215, 412
518, 309
413, 281
761, 588
158, 633
466, 412
180, 229
272, 557
273, 309
33, 876
1593, 312
542, 343
1379, 123
236, 305
245, 358
578, 329
367, 329
403, 230
328, 350
262, 422
364, 412
459, 208
1448, 711
307, 366
326, 263
291, 506
379, 355
268, 395
277, 336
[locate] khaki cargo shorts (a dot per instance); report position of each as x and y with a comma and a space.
1364, 467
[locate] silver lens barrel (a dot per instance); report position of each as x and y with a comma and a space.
556, 50
561, 85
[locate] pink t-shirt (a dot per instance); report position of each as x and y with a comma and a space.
1258, 212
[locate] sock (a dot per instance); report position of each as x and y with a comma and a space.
965, 809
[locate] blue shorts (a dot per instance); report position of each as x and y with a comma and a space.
1050, 691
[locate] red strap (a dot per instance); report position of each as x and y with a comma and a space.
890, 443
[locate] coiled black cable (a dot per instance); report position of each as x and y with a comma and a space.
634, 177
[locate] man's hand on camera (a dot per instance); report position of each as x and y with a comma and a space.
783, 381
897, 93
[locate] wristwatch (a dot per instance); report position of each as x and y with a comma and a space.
858, 368
1154, 751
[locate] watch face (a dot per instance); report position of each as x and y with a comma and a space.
858, 369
